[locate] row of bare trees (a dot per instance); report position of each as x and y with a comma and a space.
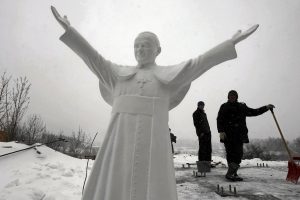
270, 149
77, 144
14, 102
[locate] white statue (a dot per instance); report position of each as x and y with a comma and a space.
135, 161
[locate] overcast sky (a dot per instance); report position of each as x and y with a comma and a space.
65, 92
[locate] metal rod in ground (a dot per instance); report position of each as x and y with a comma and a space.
234, 190
87, 164
229, 188
218, 187
60, 139
222, 190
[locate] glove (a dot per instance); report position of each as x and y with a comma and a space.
222, 136
270, 106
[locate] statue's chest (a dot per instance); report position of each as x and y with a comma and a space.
145, 82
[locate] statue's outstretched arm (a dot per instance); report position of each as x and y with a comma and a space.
63, 21
239, 36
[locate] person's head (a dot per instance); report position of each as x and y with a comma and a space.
146, 48
232, 96
201, 105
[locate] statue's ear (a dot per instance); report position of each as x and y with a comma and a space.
158, 51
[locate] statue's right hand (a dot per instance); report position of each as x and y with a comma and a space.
63, 21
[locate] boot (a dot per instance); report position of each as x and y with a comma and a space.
232, 172
236, 176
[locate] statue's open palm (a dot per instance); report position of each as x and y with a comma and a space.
239, 36
63, 21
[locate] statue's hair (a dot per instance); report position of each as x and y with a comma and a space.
153, 37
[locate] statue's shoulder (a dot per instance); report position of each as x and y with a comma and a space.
168, 73
124, 71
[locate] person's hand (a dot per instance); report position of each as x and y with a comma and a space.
239, 36
63, 21
270, 106
222, 136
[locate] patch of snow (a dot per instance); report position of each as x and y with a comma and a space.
51, 175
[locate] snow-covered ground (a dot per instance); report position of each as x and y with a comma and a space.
51, 175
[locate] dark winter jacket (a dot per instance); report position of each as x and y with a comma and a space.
232, 120
173, 137
201, 124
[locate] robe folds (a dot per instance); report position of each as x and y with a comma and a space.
135, 161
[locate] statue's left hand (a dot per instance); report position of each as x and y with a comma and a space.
239, 36
63, 21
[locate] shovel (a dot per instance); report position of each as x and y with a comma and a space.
293, 167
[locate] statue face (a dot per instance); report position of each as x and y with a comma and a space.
145, 50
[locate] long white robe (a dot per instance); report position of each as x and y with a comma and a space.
135, 161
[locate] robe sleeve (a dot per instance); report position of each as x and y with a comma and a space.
190, 70
101, 67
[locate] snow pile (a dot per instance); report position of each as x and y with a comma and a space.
51, 175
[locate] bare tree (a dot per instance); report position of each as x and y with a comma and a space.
33, 129
78, 143
4, 103
17, 101
296, 144
48, 138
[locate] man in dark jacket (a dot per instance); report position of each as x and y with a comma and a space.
173, 139
203, 132
231, 123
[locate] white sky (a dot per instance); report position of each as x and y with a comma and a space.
65, 92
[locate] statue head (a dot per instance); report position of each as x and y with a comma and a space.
146, 48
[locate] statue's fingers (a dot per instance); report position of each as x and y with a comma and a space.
66, 21
55, 13
252, 29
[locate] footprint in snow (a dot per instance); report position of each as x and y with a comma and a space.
13, 183
68, 173
37, 194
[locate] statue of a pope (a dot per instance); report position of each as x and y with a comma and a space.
135, 161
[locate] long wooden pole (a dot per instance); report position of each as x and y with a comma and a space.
285, 144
